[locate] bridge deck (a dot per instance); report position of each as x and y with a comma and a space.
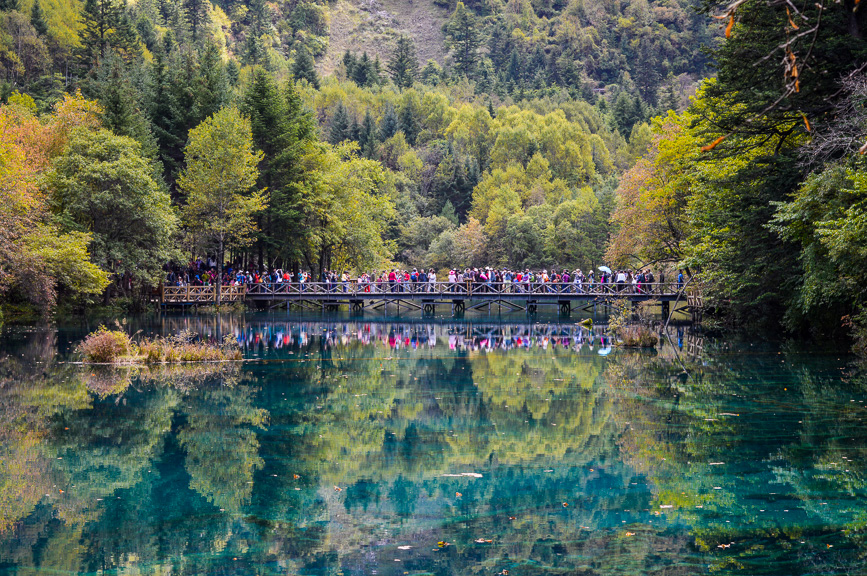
417, 293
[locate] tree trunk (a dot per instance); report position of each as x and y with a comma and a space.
220, 273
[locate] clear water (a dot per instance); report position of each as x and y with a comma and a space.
359, 446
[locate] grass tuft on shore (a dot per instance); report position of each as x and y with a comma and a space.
116, 346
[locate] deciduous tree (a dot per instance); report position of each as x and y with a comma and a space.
221, 168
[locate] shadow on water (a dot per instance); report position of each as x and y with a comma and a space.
431, 446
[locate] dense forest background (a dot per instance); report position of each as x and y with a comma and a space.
355, 135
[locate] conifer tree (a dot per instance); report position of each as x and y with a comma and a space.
669, 100
354, 130
105, 25
233, 72
403, 65
254, 52
281, 130
37, 19
120, 109
349, 63
212, 87
367, 136
303, 67
408, 123
197, 16
98, 21
362, 72
388, 126
462, 38
8, 5
338, 129
125, 39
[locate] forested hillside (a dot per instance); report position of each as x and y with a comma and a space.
420, 133
438, 134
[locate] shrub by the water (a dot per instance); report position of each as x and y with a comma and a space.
116, 346
106, 346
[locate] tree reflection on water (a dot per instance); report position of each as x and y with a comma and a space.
445, 448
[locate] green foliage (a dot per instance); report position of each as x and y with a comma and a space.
403, 65
463, 39
37, 19
284, 131
103, 185
302, 67
105, 24
221, 168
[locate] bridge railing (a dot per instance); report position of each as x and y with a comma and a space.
454, 289
435, 290
200, 294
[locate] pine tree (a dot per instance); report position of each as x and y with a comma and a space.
669, 100
8, 5
37, 19
462, 38
376, 68
233, 72
105, 25
403, 66
354, 130
349, 63
254, 53
408, 123
303, 67
388, 126
98, 21
125, 40
362, 71
212, 86
516, 71
448, 212
367, 136
120, 108
197, 16
338, 129
281, 129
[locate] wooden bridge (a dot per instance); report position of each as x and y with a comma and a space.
427, 296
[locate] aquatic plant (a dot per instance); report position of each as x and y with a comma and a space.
106, 346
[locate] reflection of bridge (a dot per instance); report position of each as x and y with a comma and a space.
427, 296
272, 335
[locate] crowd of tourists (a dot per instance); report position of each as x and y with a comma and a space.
201, 273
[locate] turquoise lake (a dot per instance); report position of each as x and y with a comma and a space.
393, 446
